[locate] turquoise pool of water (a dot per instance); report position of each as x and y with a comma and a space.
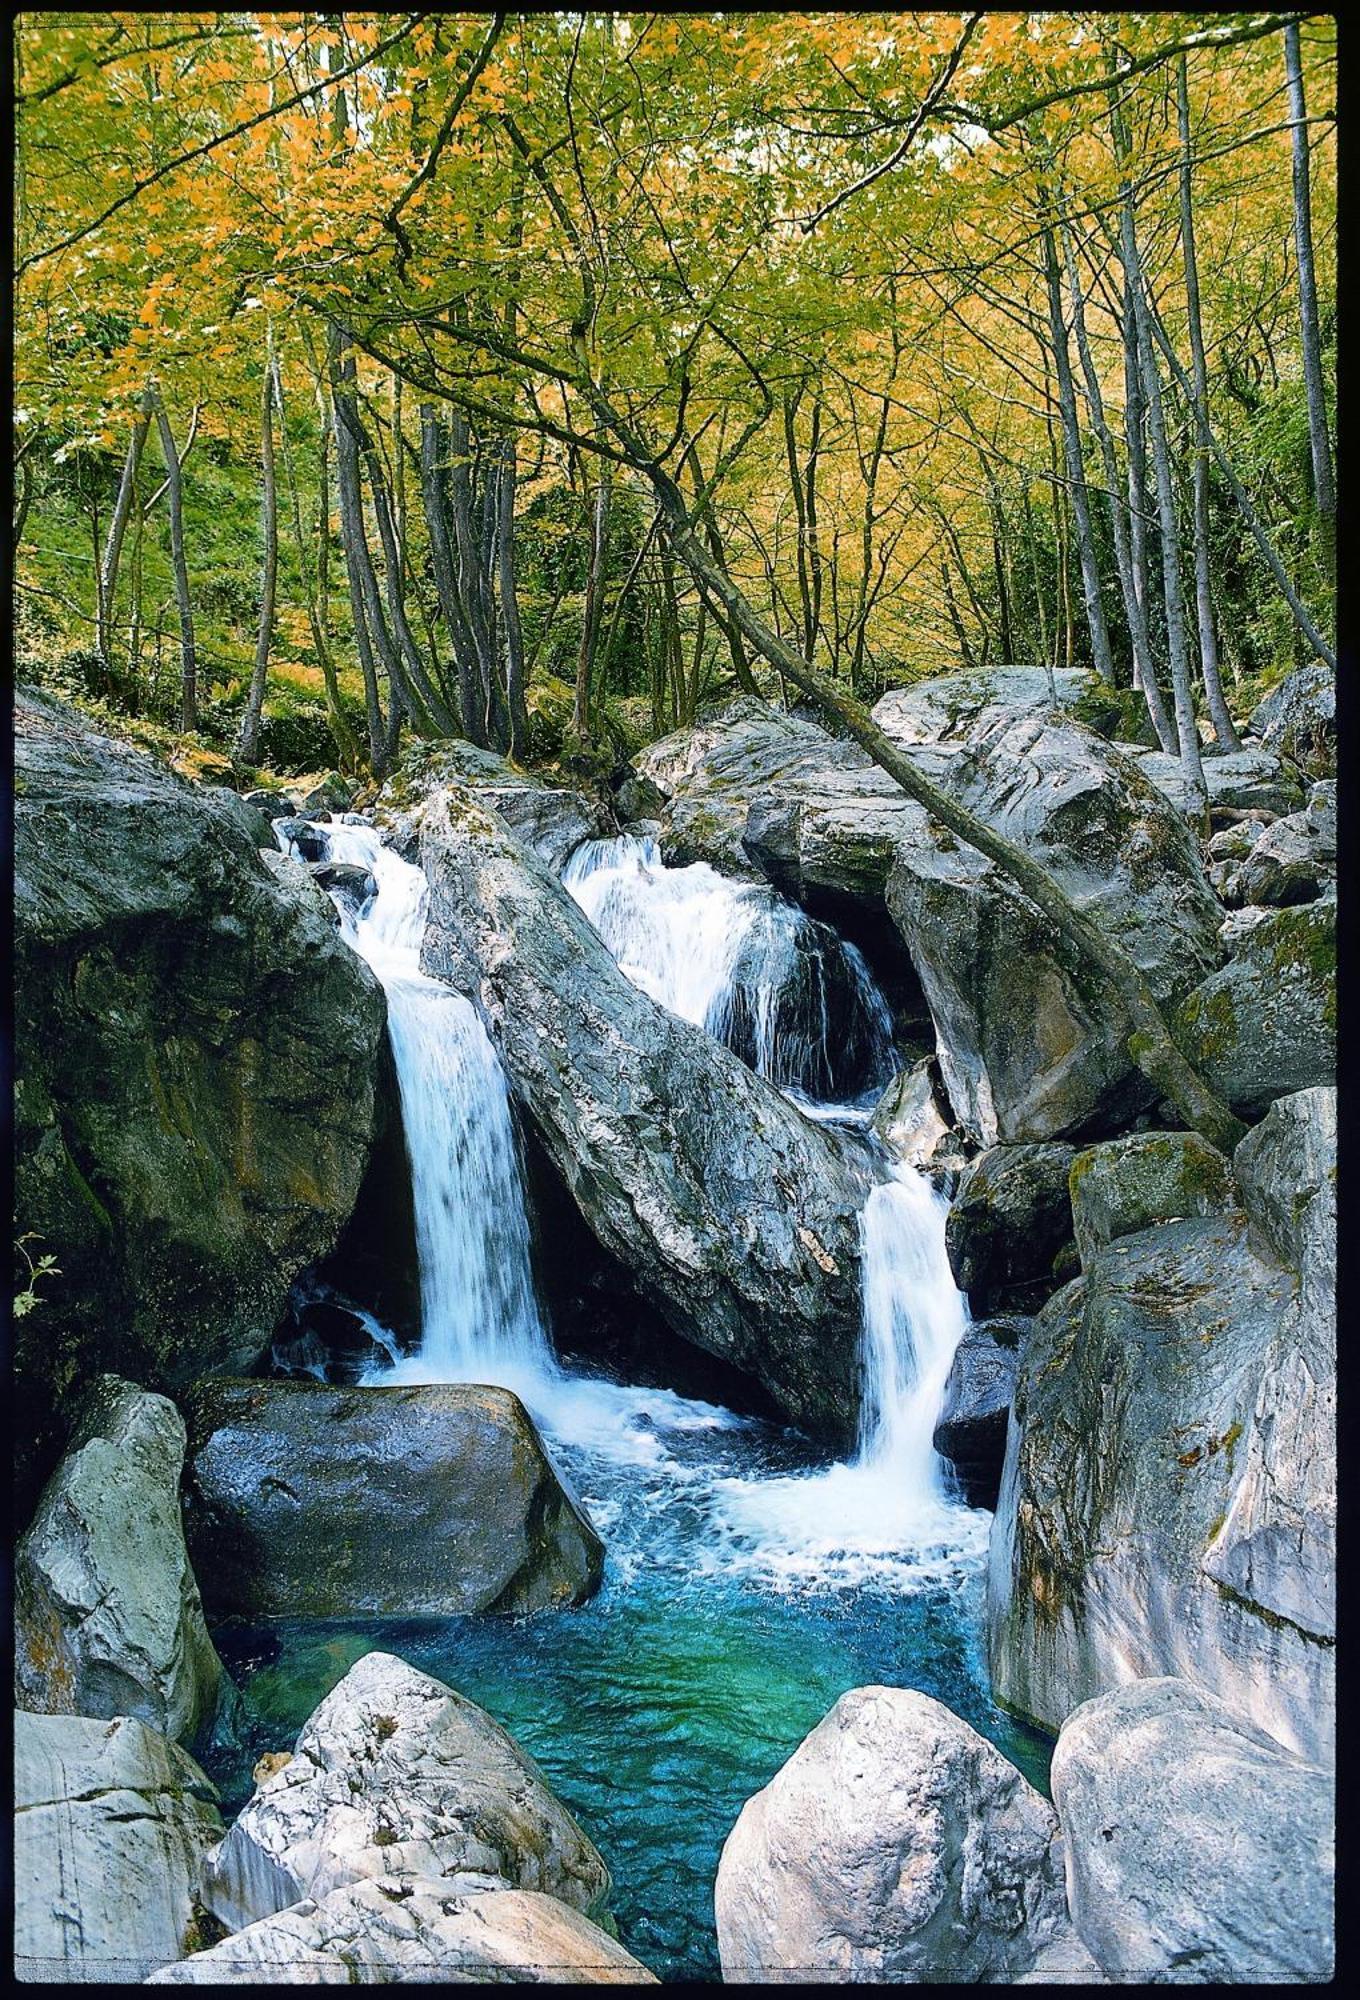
658, 1708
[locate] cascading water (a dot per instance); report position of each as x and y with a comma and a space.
747, 1586
791, 998
480, 1317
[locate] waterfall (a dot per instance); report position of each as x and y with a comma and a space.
791, 998
480, 1317
720, 954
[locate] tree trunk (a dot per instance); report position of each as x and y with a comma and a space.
1204, 602
106, 578
1187, 734
1144, 673
435, 499
590, 617
371, 639
506, 475
248, 741
188, 662
317, 596
1076, 475
1324, 490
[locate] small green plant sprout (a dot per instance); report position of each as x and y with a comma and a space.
45, 1266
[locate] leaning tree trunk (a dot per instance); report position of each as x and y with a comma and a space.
1324, 490
248, 742
107, 574
1150, 1043
590, 617
188, 662
1204, 598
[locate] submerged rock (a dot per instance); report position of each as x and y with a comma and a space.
307, 1501
1128, 1445
895, 1845
107, 1615
1265, 1025
415, 1932
112, 1822
1010, 1217
396, 1775
197, 1054
1126, 1185
738, 1217
1198, 1851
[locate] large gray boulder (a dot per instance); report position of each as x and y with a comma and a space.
398, 1932
395, 1774
1290, 862
1265, 1024
1248, 780
1029, 1045
1126, 1185
308, 1501
196, 1069
1009, 1218
737, 1217
951, 705
112, 1822
1298, 719
970, 1430
895, 1845
1128, 1449
107, 1614
552, 819
1197, 1850
1276, 1546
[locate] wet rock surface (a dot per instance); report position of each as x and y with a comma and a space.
1010, 1216
738, 1218
307, 1501
1265, 1024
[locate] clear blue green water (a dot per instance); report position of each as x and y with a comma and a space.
733, 1614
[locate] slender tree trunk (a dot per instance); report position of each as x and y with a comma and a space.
443, 562
317, 595
1076, 475
248, 741
188, 674
1187, 734
370, 631
1224, 731
516, 709
590, 619
1324, 490
106, 578
741, 665
1144, 673
473, 596
1139, 511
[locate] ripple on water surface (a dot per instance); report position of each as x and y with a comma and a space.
737, 1607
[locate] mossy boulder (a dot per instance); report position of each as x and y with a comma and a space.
1010, 1217
1298, 719
1126, 1185
1265, 1024
196, 1069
